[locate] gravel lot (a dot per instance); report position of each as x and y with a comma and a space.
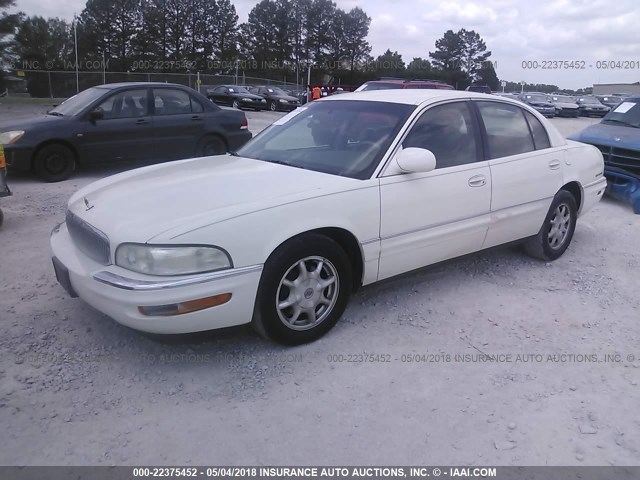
78, 389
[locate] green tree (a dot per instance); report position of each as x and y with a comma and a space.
8, 25
389, 64
487, 76
448, 59
356, 29
474, 54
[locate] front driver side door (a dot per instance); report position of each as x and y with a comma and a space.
125, 133
430, 217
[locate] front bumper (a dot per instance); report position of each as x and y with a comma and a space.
590, 111
624, 186
118, 293
18, 157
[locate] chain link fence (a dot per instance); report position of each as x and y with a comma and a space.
63, 84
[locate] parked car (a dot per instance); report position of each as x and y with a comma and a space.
347, 191
540, 102
617, 136
566, 106
237, 97
388, 83
276, 98
122, 122
589, 106
478, 89
609, 100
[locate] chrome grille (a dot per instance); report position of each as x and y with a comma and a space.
91, 241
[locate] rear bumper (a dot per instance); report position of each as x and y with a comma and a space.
592, 194
238, 139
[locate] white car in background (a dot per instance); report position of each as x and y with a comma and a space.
340, 193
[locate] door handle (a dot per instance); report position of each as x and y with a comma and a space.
142, 121
196, 118
554, 164
477, 181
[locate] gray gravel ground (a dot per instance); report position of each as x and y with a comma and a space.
76, 388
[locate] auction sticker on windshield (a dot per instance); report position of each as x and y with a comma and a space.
624, 107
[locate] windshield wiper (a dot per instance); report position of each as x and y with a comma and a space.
55, 114
621, 122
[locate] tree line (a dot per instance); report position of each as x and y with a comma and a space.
280, 39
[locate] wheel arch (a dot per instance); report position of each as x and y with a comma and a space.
347, 241
575, 189
55, 141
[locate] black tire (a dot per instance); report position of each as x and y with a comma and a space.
236, 104
547, 245
212, 145
54, 163
272, 106
284, 266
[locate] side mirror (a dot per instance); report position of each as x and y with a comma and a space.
416, 160
96, 115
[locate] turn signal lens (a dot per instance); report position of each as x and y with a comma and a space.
185, 307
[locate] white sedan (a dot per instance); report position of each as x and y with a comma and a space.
340, 193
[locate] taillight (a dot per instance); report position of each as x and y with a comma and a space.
245, 124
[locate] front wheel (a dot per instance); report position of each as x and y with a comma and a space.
557, 230
54, 163
304, 290
273, 107
236, 104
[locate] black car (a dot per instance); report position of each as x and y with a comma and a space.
479, 89
122, 122
609, 100
591, 106
566, 106
540, 102
236, 96
277, 99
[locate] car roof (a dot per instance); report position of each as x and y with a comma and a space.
110, 86
408, 96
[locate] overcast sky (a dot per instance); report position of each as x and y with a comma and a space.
514, 30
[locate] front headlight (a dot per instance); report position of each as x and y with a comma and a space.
13, 136
246, 100
171, 260
282, 100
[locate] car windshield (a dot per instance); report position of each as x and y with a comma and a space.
626, 113
276, 91
564, 99
237, 89
76, 104
381, 86
590, 100
537, 98
341, 137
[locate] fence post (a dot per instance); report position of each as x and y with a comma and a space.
50, 89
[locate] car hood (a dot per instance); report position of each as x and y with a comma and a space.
252, 96
28, 123
182, 196
541, 104
611, 135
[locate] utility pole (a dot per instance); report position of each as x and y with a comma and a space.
75, 37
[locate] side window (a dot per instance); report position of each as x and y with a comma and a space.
196, 106
446, 130
507, 130
171, 102
127, 104
540, 137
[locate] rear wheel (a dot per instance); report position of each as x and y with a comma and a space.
236, 104
304, 290
556, 233
54, 163
212, 145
